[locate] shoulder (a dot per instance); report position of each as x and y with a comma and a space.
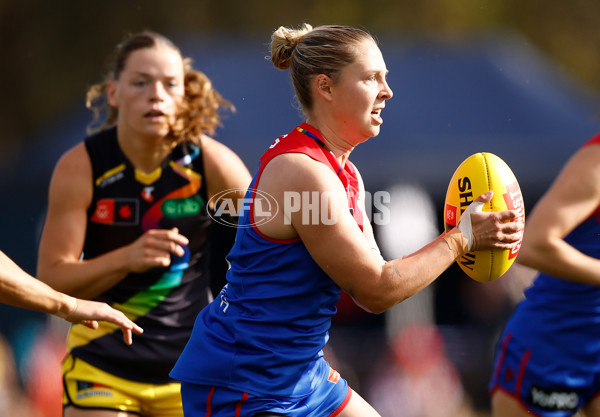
223, 168
75, 159
584, 165
575, 192
216, 153
300, 172
595, 140
72, 177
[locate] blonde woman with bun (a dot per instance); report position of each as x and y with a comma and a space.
257, 349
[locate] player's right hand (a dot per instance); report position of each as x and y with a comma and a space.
154, 248
89, 313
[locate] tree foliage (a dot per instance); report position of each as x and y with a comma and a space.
54, 50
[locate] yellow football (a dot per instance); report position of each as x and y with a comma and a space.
476, 175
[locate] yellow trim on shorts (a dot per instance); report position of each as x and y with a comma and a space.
85, 386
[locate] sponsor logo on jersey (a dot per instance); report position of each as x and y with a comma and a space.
182, 207
334, 376
147, 194
116, 211
111, 176
554, 399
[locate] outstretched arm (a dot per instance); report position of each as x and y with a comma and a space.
20, 289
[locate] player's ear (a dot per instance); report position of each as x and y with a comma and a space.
323, 84
111, 94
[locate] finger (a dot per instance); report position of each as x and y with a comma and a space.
92, 324
485, 197
512, 228
507, 215
180, 239
176, 249
154, 257
127, 336
177, 237
127, 324
507, 245
170, 234
165, 248
167, 239
136, 329
515, 237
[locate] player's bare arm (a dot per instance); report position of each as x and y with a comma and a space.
572, 198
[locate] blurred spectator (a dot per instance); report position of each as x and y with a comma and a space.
12, 399
43, 383
416, 378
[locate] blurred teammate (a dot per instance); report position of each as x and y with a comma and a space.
128, 224
20, 289
258, 347
548, 358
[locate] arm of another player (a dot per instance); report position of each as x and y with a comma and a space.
20, 289
571, 199
61, 244
224, 170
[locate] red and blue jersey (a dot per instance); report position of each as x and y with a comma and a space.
265, 332
568, 310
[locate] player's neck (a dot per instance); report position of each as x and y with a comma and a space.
335, 144
145, 153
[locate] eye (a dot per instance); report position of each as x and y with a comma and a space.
139, 83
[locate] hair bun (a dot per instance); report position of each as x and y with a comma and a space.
283, 44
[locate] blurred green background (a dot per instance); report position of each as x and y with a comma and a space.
53, 50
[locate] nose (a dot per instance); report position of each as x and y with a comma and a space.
157, 92
386, 92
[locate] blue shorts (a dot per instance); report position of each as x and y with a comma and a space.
328, 399
542, 386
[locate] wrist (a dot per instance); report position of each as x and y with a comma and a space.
457, 242
67, 308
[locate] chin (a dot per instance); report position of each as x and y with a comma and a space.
158, 132
374, 132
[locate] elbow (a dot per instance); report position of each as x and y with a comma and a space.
524, 259
42, 273
376, 304
382, 293
47, 274
530, 255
